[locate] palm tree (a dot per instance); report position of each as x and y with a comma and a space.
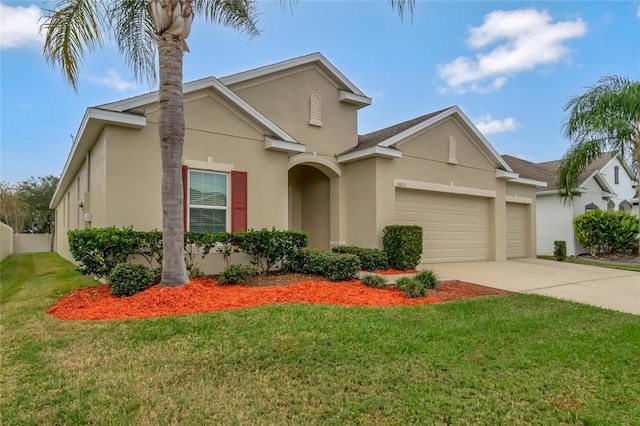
606, 118
141, 29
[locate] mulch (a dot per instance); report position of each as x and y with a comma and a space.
207, 295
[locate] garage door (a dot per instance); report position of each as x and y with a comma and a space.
515, 230
455, 227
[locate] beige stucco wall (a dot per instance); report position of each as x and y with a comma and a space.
284, 98
6, 241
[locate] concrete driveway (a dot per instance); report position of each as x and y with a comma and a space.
607, 288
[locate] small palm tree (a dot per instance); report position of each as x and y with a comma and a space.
142, 29
606, 118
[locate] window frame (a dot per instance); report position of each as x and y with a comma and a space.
227, 208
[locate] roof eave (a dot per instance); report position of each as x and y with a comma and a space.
372, 151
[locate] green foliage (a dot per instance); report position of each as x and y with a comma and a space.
411, 287
560, 250
99, 250
341, 267
127, 279
403, 245
374, 281
270, 248
607, 231
25, 205
428, 278
309, 261
150, 247
234, 274
371, 259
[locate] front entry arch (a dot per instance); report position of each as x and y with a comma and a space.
310, 204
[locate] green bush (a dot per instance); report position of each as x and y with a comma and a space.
607, 231
234, 274
374, 281
269, 248
341, 267
560, 250
428, 278
127, 279
99, 250
308, 261
411, 287
371, 259
403, 245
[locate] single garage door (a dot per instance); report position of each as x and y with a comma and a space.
455, 227
515, 230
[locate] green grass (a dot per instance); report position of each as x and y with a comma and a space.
624, 266
512, 360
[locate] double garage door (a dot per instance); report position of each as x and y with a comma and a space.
456, 227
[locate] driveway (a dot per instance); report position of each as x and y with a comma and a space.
607, 288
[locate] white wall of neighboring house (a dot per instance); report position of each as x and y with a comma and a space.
554, 222
624, 188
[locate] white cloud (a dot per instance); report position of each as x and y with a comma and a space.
114, 80
509, 42
488, 125
20, 27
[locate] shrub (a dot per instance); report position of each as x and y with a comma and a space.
99, 250
371, 259
607, 231
403, 245
308, 261
560, 250
234, 274
411, 287
341, 267
129, 278
374, 281
271, 247
428, 278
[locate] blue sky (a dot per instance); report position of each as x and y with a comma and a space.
510, 66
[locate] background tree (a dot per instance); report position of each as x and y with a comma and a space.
13, 211
141, 29
606, 118
37, 193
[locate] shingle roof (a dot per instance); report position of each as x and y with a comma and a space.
374, 138
547, 171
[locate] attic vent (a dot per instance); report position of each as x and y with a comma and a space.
316, 117
453, 150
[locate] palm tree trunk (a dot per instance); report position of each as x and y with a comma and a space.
171, 132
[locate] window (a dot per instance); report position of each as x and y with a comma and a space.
616, 174
590, 207
207, 201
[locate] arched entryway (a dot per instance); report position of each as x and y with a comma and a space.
310, 195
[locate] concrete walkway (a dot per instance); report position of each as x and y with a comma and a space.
604, 287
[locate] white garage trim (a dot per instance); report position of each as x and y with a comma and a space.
438, 187
518, 200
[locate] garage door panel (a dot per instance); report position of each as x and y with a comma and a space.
455, 227
516, 225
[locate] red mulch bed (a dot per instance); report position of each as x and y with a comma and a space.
392, 271
206, 295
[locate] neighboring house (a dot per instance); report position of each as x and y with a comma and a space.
277, 146
606, 184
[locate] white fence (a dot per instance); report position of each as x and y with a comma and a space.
21, 243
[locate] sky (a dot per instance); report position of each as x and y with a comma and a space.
511, 66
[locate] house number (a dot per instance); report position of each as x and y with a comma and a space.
401, 185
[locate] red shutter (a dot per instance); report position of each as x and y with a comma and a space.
238, 201
185, 196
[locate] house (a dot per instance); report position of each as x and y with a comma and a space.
277, 146
608, 183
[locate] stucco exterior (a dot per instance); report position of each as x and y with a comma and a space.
292, 128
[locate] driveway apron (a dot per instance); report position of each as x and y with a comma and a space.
604, 287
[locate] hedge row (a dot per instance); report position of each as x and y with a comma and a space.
335, 266
371, 259
607, 231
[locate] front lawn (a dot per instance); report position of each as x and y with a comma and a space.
518, 359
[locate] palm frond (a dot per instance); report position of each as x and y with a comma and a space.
135, 37
403, 7
72, 29
240, 15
